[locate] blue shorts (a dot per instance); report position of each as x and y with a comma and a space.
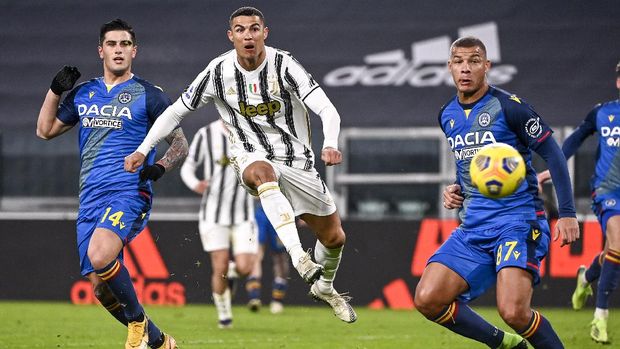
125, 214
604, 207
478, 255
266, 232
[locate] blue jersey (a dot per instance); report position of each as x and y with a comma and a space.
112, 125
497, 117
604, 119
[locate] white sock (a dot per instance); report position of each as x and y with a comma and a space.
329, 258
282, 217
582, 280
600, 313
223, 305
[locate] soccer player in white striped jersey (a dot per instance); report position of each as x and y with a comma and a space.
261, 94
226, 212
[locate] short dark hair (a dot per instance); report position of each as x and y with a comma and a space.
468, 41
246, 11
117, 24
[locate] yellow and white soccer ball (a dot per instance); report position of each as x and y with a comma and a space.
497, 170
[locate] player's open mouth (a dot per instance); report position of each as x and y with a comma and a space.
119, 60
249, 47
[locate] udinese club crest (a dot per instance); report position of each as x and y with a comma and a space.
484, 119
124, 97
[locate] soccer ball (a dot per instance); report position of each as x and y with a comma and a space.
497, 170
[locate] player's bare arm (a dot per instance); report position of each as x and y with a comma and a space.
177, 152
452, 197
542, 178
568, 228
48, 126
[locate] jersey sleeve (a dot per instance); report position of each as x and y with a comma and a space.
66, 110
526, 123
156, 102
586, 129
197, 93
298, 79
193, 160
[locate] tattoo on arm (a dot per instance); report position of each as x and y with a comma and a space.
177, 151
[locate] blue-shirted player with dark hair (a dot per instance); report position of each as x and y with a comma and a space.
268, 239
500, 241
604, 119
114, 113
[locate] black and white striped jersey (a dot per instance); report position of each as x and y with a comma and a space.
263, 109
225, 202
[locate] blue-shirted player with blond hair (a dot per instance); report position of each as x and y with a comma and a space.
603, 119
114, 113
500, 241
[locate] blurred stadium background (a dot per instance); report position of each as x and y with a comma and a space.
382, 63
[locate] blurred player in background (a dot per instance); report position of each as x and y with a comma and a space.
261, 94
499, 241
114, 113
605, 185
268, 239
226, 213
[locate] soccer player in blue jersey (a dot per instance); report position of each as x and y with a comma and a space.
114, 113
605, 185
499, 241
268, 239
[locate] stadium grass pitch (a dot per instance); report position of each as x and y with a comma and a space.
60, 325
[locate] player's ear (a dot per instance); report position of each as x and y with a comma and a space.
487, 66
266, 31
100, 50
134, 51
230, 35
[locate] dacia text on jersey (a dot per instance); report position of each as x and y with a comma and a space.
426, 66
112, 116
470, 143
612, 135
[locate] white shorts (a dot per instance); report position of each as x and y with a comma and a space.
215, 237
304, 189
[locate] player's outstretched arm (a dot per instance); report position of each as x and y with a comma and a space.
175, 154
48, 126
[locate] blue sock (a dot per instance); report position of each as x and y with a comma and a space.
156, 338
594, 270
278, 290
540, 334
607, 283
460, 318
253, 286
117, 277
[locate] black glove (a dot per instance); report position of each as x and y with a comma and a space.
152, 172
65, 79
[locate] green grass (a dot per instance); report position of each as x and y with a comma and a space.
59, 325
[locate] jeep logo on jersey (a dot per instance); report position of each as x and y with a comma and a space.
427, 65
105, 110
268, 108
471, 138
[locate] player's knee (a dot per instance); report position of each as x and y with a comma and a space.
99, 259
258, 173
516, 316
334, 238
425, 302
244, 268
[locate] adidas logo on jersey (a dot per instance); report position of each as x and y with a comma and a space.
427, 66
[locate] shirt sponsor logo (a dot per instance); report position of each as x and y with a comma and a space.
105, 110
611, 135
427, 65
468, 153
610, 202
471, 138
116, 124
268, 108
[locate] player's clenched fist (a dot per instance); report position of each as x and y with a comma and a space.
331, 156
452, 197
133, 161
65, 79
